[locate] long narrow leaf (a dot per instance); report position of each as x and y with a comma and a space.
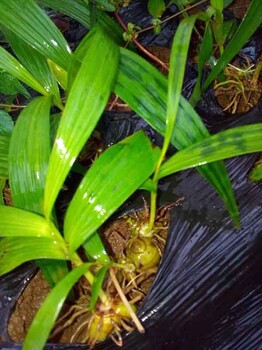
44, 320
10, 64
97, 286
95, 249
86, 102
246, 29
20, 223
4, 147
116, 174
145, 90
226, 144
15, 251
34, 61
29, 155
26, 19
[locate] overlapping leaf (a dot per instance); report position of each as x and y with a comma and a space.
34, 61
115, 175
29, 155
226, 144
86, 102
31, 24
10, 64
47, 314
145, 90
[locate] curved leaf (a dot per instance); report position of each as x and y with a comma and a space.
34, 61
145, 90
226, 144
86, 102
6, 123
112, 178
15, 251
44, 320
10, 64
26, 19
20, 223
29, 155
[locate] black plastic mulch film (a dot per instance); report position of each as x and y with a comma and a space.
207, 294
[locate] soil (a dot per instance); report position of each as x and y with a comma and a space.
116, 236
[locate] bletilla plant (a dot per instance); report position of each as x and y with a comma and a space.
37, 171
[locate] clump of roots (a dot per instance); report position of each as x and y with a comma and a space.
241, 89
130, 245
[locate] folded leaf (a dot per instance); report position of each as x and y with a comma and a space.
29, 155
226, 144
112, 178
15, 251
86, 102
31, 24
47, 314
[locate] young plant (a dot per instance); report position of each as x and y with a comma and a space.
37, 172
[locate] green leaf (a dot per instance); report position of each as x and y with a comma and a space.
97, 286
34, 61
105, 5
4, 147
112, 178
47, 314
156, 7
20, 223
15, 251
217, 4
95, 249
205, 52
6, 123
10, 64
31, 24
226, 144
86, 102
144, 88
71, 8
29, 155
246, 29
9, 85
256, 173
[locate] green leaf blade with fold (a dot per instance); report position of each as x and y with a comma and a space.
145, 90
15, 251
12, 66
115, 175
86, 102
29, 155
47, 314
95, 249
246, 29
34, 61
30, 23
226, 144
97, 286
